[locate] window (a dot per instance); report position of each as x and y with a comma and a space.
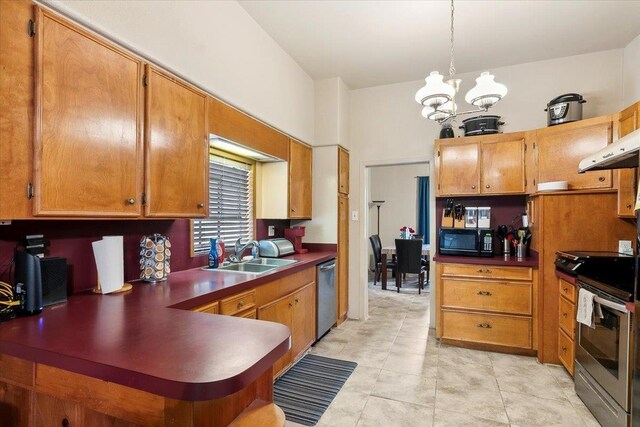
230, 204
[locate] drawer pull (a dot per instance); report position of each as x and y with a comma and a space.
290, 305
485, 293
565, 289
484, 325
564, 349
473, 187
564, 315
601, 178
240, 304
297, 300
484, 270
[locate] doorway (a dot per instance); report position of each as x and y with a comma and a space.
393, 201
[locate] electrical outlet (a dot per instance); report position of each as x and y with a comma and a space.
624, 247
354, 215
271, 231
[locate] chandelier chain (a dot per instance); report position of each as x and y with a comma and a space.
452, 68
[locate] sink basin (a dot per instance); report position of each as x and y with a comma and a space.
244, 267
272, 261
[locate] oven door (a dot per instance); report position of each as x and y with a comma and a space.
604, 350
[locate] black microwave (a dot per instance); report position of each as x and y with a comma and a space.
465, 241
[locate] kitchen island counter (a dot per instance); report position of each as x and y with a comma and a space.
147, 339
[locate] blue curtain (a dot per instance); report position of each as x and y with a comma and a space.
423, 207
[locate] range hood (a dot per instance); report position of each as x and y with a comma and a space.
621, 154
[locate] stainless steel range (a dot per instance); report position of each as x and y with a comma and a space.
603, 353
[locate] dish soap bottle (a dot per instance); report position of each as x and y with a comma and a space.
254, 252
213, 254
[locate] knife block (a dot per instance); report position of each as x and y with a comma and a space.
459, 223
447, 221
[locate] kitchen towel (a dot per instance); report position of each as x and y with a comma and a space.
109, 257
587, 308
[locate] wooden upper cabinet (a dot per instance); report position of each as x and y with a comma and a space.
457, 168
300, 177
628, 121
88, 121
343, 171
560, 149
502, 166
176, 148
234, 125
16, 109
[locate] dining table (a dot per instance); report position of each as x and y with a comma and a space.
390, 251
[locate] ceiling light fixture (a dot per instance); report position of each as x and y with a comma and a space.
438, 97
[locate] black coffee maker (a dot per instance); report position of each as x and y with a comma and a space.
28, 283
446, 131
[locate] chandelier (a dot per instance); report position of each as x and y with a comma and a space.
438, 97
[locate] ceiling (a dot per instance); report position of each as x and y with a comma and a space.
370, 43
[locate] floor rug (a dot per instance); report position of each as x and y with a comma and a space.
308, 388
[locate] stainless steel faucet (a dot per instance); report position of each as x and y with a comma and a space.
239, 248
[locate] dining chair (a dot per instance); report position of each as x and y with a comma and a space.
376, 245
409, 260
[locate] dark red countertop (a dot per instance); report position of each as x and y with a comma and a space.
139, 339
511, 261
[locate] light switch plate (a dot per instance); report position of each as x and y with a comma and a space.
271, 231
354, 215
624, 247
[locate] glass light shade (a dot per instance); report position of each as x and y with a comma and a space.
486, 92
435, 92
444, 111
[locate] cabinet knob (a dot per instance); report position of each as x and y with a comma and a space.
200, 205
293, 210
564, 349
290, 305
565, 290
131, 201
473, 187
629, 206
487, 186
601, 178
485, 293
564, 315
297, 300
484, 325
65, 422
240, 304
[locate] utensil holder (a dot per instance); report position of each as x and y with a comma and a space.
521, 250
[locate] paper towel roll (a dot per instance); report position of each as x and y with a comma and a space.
109, 257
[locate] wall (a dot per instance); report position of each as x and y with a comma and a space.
631, 72
398, 187
386, 125
216, 45
332, 112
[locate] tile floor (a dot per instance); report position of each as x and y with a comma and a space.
406, 378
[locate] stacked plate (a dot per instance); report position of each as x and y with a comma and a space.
155, 254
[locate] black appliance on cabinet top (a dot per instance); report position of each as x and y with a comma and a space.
611, 272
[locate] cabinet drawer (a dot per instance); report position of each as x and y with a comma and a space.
211, 308
567, 317
237, 303
565, 351
509, 331
513, 297
248, 314
567, 290
487, 271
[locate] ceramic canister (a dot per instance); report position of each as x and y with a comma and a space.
155, 254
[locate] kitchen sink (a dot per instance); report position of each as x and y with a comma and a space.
272, 261
244, 267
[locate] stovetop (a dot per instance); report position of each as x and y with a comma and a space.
613, 271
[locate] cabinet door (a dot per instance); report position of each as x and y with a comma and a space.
16, 109
502, 167
303, 333
457, 169
343, 171
15, 405
52, 412
279, 311
88, 121
627, 178
343, 258
560, 149
300, 164
176, 148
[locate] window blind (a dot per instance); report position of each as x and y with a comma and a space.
230, 205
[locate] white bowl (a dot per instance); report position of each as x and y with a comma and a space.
553, 186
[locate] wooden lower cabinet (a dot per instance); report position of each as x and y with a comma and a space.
298, 312
52, 412
15, 402
485, 306
567, 331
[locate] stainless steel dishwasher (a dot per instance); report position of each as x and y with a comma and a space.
326, 308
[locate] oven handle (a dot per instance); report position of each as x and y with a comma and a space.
611, 304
